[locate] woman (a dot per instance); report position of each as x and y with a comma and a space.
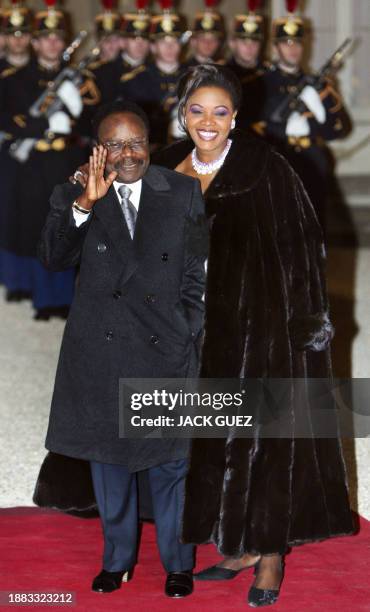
266, 317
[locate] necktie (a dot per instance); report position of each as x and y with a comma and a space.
128, 209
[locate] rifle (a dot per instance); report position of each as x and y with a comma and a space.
48, 102
292, 102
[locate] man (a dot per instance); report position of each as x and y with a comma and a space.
154, 87
137, 313
134, 30
54, 150
301, 137
207, 37
246, 46
108, 31
17, 26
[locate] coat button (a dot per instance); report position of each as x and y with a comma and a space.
165, 257
102, 247
150, 299
154, 339
109, 335
117, 295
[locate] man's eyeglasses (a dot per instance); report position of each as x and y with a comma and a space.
117, 146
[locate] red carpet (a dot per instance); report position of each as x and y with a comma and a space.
49, 552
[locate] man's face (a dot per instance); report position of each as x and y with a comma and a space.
18, 44
110, 47
49, 47
137, 48
246, 50
205, 44
126, 139
290, 52
167, 49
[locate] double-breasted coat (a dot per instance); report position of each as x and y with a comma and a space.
137, 312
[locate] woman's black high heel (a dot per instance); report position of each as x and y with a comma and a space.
215, 572
263, 597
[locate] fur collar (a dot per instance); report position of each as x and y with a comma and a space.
244, 167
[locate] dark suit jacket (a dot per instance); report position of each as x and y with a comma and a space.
137, 313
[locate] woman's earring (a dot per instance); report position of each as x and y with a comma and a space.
233, 124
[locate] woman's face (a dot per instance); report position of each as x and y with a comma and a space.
208, 115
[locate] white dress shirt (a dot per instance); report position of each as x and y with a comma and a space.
80, 218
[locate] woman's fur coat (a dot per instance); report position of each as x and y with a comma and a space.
266, 317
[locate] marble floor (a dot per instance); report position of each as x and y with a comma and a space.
28, 357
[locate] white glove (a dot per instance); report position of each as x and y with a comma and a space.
175, 130
297, 125
313, 102
70, 95
60, 123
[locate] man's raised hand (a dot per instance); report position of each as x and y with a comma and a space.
97, 184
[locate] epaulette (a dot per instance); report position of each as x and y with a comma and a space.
8, 72
98, 64
127, 76
220, 62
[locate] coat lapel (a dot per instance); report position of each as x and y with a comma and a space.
155, 190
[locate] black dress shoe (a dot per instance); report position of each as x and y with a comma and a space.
106, 582
42, 314
61, 312
179, 584
17, 296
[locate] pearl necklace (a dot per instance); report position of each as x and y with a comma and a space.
209, 167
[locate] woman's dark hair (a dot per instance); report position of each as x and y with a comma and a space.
118, 106
207, 75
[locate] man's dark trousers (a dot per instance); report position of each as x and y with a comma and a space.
116, 494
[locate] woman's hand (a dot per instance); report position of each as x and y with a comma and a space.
80, 176
96, 184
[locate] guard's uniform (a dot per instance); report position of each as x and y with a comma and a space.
308, 154
249, 27
26, 186
150, 87
253, 88
109, 75
15, 21
155, 92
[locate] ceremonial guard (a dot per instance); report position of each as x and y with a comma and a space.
16, 26
153, 87
246, 44
208, 35
108, 31
135, 47
39, 150
300, 134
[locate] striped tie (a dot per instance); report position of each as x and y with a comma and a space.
128, 209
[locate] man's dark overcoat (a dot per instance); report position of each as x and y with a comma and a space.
266, 317
137, 313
